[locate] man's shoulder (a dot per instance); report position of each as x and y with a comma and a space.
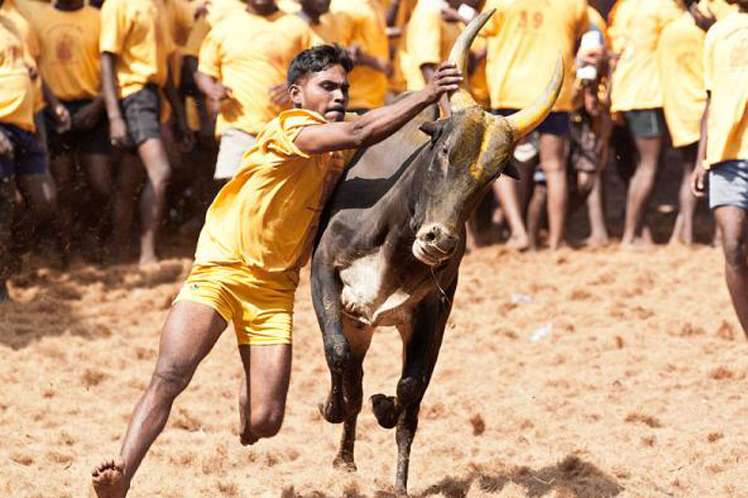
281, 132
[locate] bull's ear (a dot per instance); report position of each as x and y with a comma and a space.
430, 128
511, 171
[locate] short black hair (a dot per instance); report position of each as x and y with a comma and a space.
316, 59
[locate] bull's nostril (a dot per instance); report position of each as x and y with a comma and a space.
430, 236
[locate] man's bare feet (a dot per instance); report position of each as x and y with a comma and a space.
147, 259
109, 480
518, 242
594, 241
638, 244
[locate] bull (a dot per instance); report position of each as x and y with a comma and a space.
390, 245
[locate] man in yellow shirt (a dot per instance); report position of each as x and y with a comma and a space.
68, 33
136, 47
242, 70
636, 92
680, 55
257, 235
524, 39
724, 146
370, 55
327, 27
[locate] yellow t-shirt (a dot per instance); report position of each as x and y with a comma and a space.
636, 30
266, 217
69, 60
720, 8
251, 65
725, 76
368, 87
524, 39
19, 13
680, 55
17, 95
333, 27
137, 31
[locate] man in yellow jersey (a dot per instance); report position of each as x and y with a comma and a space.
524, 39
243, 76
136, 48
637, 93
724, 141
68, 33
327, 27
257, 235
370, 55
21, 150
680, 54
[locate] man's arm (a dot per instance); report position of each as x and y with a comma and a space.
59, 111
117, 125
214, 91
380, 123
699, 173
177, 106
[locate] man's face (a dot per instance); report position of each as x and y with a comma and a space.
316, 7
325, 92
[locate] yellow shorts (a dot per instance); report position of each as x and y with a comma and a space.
261, 314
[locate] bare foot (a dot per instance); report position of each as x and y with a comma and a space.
597, 241
639, 244
147, 259
109, 481
518, 242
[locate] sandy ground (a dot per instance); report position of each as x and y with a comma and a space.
637, 390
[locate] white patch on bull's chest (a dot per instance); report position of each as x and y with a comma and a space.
365, 297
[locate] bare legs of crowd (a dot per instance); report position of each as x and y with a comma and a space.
553, 150
732, 222
683, 229
640, 189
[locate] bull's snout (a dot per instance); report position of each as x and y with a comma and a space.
434, 244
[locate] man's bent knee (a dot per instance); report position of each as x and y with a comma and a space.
172, 379
266, 422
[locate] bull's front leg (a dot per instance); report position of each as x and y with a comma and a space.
421, 353
326, 291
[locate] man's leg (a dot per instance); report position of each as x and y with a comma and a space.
553, 161
7, 259
98, 170
39, 193
642, 184
507, 190
190, 332
262, 399
596, 212
733, 224
63, 167
153, 154
683, 229
129, 179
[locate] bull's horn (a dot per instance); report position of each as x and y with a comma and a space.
460, 55
524, 121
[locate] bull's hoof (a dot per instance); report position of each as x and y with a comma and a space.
332, 411
385, 409
344, 462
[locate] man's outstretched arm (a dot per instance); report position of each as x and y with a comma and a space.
378, 124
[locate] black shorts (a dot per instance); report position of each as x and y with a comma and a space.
29, 153
94, 140
142, 114
556, 123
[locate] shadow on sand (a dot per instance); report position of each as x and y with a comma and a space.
572, 478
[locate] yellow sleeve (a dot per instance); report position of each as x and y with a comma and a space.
197, 34
424, 36
209, 59
114, 24
288, 126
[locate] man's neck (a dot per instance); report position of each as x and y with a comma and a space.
69, 5
264, 12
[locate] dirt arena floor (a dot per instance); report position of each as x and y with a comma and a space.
593, 373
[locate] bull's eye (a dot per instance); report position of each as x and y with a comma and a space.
445, 148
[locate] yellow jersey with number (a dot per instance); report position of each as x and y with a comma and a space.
524, 40
266, 217
725, 77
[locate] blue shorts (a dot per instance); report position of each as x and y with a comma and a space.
646, 123
29, 153
556, 123
728, 184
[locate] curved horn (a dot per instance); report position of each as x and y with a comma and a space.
524, 121
460, 55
